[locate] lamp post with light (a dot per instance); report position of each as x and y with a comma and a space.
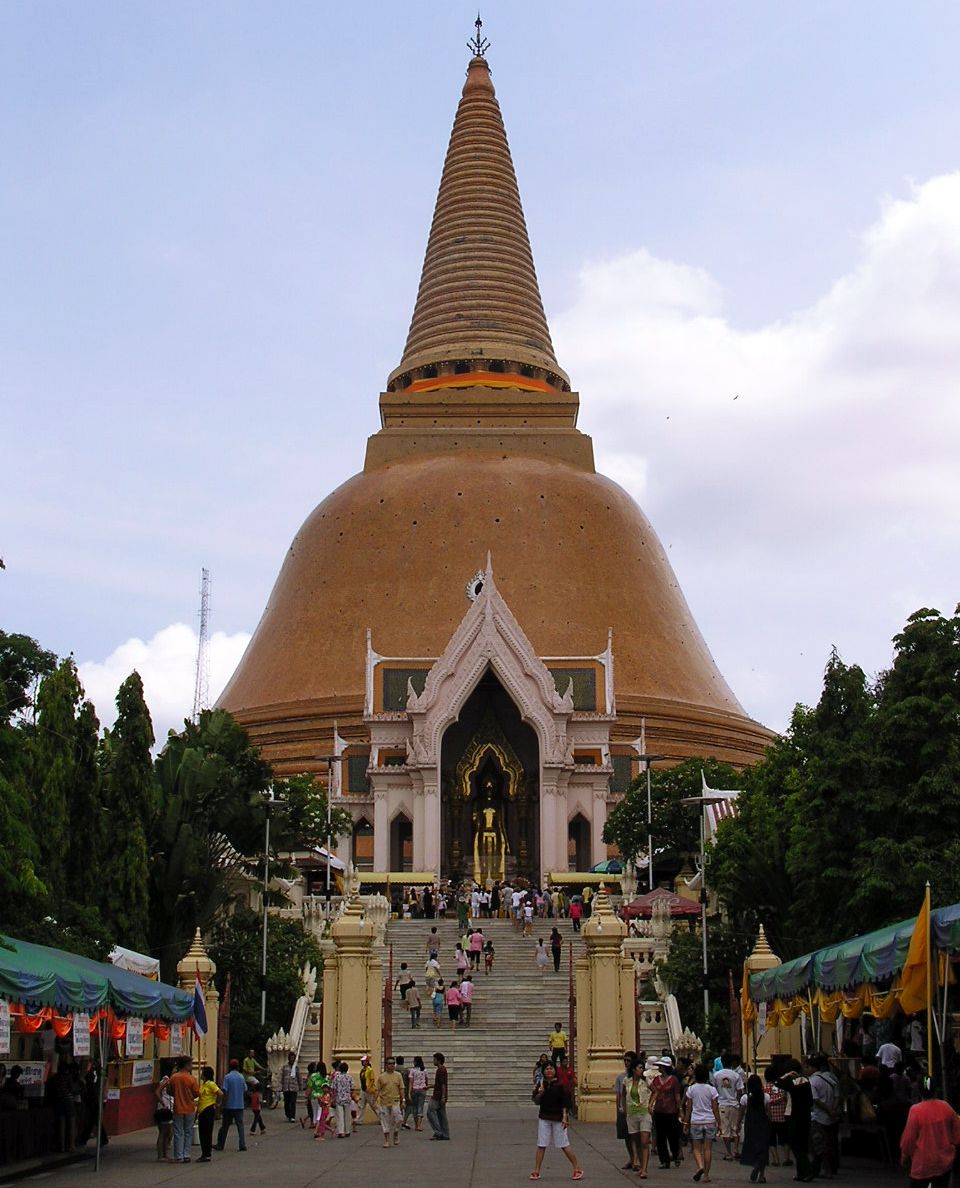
703, 801
649, 760
330, 760
270, 802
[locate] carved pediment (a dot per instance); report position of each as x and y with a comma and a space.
489, 637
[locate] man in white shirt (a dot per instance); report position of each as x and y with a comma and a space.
889, 1054
729, 1086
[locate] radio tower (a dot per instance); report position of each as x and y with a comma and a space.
201, 688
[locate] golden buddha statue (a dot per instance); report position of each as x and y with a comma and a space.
490, 846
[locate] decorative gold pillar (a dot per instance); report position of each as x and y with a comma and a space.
757, 1048
196, 960
352, 991
605, 1011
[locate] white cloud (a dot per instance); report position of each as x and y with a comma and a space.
804, 474
167, 665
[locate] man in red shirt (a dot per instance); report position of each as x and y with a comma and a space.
930, 1140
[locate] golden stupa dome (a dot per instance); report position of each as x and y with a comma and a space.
479, 452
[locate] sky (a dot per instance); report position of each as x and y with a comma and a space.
746, 223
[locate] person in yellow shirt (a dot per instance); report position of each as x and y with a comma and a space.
210, 1094
389, 1095
557, 1043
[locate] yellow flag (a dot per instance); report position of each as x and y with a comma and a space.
914, 981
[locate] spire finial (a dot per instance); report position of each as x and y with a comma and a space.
478, 44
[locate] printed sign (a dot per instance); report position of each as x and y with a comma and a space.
81, 1034
4, 1028
134, 1037
176, 1040
142, 1073
32, 1078
762, 1020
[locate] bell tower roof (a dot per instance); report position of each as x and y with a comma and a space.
478, 317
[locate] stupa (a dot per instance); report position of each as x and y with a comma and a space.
478, 623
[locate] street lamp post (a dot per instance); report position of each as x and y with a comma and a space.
650, 759
703, 801
330, 760
270, 802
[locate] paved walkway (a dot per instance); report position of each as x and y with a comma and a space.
487, 1150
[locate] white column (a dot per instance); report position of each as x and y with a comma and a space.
419, 834
381, 830
598, 847
431, 820
549, 859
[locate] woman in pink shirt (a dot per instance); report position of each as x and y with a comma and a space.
453, 1005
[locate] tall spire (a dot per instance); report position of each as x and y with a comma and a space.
478, 313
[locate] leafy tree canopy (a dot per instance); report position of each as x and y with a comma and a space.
236, 949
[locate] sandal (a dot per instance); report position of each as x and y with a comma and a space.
534, 1175
578, 1174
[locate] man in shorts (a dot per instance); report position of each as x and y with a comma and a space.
389, 1093
729, 1087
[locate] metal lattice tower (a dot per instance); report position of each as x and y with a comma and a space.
201, 688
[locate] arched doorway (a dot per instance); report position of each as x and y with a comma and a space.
578, 843
490, 781
401, 843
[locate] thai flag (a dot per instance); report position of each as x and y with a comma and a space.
199, 1009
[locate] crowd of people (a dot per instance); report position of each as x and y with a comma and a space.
334, 1102
522, 903
790, 1117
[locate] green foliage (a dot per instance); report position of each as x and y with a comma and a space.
210, 779
22, 663
682, 973
131, 799
54, 771
676, 827
302, 822
858, 805
236, 947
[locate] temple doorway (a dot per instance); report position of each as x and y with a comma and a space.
490, 779
401, 843
578, 843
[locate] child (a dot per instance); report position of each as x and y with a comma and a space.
488, 955
323, 1113
256, 1104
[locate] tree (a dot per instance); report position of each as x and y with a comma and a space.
54, 772
211, 779
859, 802
682, 973
676, 827
22, 663
302, 822
236, 948
131, 800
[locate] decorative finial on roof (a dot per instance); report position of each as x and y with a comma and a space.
478, 44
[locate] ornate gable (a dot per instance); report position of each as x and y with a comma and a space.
489, 637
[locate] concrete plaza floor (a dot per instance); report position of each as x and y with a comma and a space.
488, 1149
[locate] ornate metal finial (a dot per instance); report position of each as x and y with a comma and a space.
478, 44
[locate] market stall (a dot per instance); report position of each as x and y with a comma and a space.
54, 995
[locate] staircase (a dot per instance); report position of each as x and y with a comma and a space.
514, 1008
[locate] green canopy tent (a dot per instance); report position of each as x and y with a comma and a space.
874, 957
861, 961
37, 977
